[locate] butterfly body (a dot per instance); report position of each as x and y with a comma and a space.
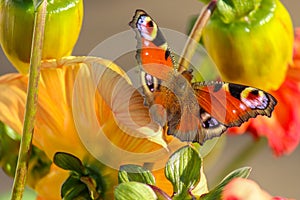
191, 111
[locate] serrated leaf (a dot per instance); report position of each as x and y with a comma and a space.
68, 162
183, 170
135, 173
216, 192
134, 190
73, 188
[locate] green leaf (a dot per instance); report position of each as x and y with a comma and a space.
201, 187
134, 190
216, 192
38, 165
135, 173
10, 132
91, 185
183, 170
68, 162
73, 188
9, 150
82, 187
97, 184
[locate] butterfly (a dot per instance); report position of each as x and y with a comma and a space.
190, 111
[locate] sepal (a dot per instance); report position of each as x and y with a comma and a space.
84, 181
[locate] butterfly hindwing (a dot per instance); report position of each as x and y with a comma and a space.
233, 104
193, 112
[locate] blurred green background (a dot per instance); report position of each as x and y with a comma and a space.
278, 176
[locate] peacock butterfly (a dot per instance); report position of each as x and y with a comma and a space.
191, 111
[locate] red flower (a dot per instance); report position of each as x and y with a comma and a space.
245, 189
282, 129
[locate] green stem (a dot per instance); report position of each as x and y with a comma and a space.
195, 36
241, 158
31, 102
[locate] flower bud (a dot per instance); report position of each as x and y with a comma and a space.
63, 24
251, 42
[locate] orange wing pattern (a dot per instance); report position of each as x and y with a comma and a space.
232, 104
191, 111
153, 52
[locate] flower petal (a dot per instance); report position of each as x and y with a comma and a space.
243, 189
12, 100
49, 186
72, 125
282, 128
116, 120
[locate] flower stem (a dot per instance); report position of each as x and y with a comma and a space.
31, 102
195, 36
240, 159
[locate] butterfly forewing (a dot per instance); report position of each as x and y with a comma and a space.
192, 112
153, 52
233, 104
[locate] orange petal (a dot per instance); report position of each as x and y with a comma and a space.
95, 121
12, 100
162, 182
48, 188
115, 126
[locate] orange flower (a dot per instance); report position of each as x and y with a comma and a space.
245, 189
86, 107
282, 129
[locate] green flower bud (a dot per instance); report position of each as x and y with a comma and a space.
250, 41
63, 24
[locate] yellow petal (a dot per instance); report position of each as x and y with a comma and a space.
49, 187
79, 113
120, 130
162, 182
12, 100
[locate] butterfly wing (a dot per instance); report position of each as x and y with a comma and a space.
153, 53
191, 111
220, 106
229, 105
156, 61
